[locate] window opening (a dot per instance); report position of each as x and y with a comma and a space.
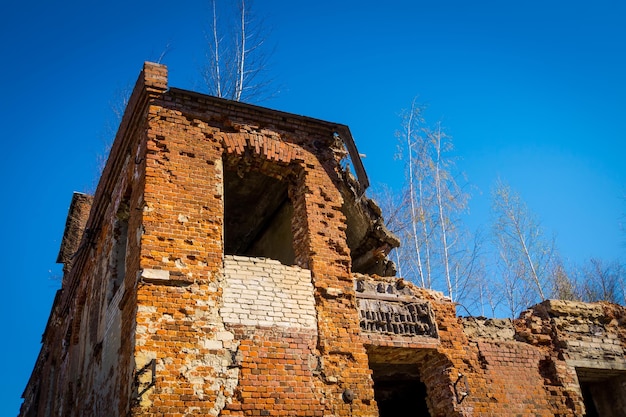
257, 217
120, 243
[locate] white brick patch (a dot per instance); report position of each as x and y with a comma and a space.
263, 292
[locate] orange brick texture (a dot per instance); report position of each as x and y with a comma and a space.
277, 377
502, 377
146, 324
184, 153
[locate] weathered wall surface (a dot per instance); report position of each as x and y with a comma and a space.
50, 373
270, 309
514, 384
476, 366
586, 344
590, 335
153, 319
181, 290
86, 365
484, 328
278, 373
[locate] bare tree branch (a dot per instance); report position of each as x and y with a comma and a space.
524, 251
603, 281
435, 243
237, 56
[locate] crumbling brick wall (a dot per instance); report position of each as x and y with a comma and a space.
589, 334
477, 366
87, 367
180, 293
154, 318
50, 371
584, 341
270, 310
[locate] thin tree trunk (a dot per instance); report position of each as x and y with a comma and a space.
409, 133
527, 256
216, 55
440, 206
425, 235
242, 54
398, 263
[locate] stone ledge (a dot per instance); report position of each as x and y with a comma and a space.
164, 277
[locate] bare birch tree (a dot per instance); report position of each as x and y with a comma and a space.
603, 281
393, 204
418, 220
511, 281
468, 266
450, 200
487, 294
434, 243
522, 248
237, 56
564, 287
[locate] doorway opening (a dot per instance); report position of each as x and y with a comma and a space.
603, 390
398, 390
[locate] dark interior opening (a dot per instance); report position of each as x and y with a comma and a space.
588, 399
120, 243
603, 390
398, 390
257, 217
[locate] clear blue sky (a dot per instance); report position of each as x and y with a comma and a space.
533, 92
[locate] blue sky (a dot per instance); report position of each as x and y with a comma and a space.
532, 92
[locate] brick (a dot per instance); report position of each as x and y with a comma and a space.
237, 335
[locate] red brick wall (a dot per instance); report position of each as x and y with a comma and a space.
513, 383
178, 317
167, 165
278, 372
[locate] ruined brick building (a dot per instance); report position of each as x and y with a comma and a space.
229, 264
